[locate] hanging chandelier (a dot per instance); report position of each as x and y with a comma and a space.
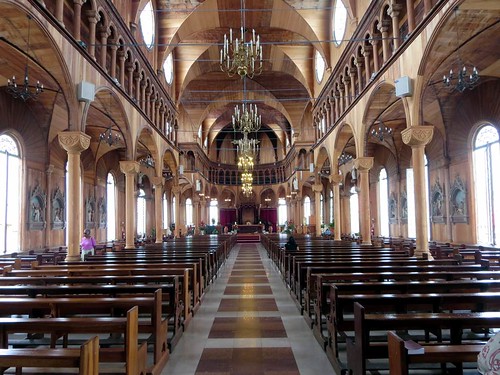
246, 119
24, 91
344, 158
247, 180
381, 131
241, 57
108, 137
467, 76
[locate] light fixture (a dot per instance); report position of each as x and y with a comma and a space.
246, 119
240, 56
148, 161
344, 158
108, 137
227, 200
267, 199
380, 131
25, 91
467, 76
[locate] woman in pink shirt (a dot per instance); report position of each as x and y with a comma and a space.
87, 244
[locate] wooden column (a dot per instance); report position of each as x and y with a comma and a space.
60, 12
374, 42
366, 54
121, 65
384, 29
158, 186
417, 137
394, 11
130, 168
77, 17
114, 48
93, 18
363, 165
74, 142
335, 181
176, 190
317, 188
410, 12
103, 35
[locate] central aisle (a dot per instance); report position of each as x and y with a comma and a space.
248, 324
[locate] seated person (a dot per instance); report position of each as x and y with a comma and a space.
488, 360
291, 244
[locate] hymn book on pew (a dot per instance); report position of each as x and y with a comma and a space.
413, 347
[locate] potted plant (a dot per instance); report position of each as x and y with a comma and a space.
202, 227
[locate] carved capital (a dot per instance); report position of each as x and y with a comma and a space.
317, 188
74, 142
157, 182
335, 179
363, 164
417, 136
129, 167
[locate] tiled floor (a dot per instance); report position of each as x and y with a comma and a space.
248, 324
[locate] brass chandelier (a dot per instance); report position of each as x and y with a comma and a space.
246, 119
239, 56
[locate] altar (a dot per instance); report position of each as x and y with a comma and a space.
249, 228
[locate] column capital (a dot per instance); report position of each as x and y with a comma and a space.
129, 166
335, 179
317, 188
176, 190
74, 142
416, 136
363, 163
157, 181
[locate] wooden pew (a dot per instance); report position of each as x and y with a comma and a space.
156, 326
131, 353
189, 297
400, 358
360, 348
343, 295
86, 358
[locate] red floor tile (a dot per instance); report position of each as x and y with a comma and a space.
248, 361
249, 289
247, 327
254, 304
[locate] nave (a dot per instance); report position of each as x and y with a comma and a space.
248, 324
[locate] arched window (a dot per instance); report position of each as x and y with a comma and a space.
319, 66
141, 213
330, 203
189, 211
147, 22
354, 206
339, 21
486, 149
10, 187
321, 209
307, 209
168, 68
383, 201
410, 190
111, 208
214, 211
165, 211
282, 214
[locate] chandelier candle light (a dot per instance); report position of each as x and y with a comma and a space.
246, 119
381, 131
464, 80
24, 91
240, 57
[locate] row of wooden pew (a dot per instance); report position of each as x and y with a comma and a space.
143, 298
353, 297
